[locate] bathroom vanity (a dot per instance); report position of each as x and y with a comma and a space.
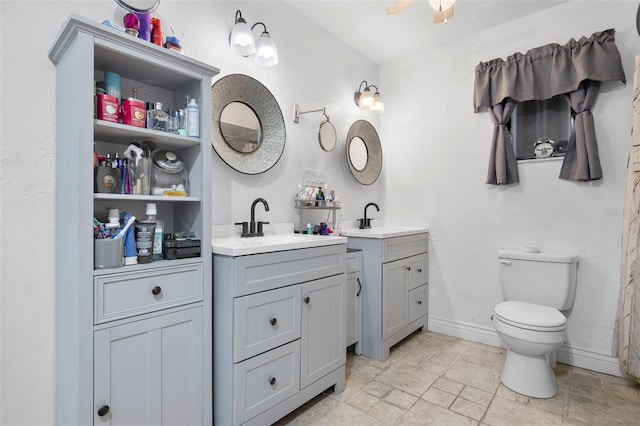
279, 324
395, 270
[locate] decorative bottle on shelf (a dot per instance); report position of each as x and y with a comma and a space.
152, 213
193, 119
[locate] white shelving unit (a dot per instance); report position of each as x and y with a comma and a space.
133, 344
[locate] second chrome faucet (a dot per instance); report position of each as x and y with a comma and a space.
253, 229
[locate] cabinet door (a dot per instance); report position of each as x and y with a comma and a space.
350, 301
395, 300
323, 328
149, 372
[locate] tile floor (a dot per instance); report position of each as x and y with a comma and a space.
433, 379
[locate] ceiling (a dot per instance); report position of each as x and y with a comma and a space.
364, 25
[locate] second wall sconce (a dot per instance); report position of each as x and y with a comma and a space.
367, 100
242, 42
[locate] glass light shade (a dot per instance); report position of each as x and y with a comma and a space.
241, 39
378, 104
446, 4
366, 99
266, 52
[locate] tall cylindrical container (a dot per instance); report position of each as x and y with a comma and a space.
193, 119
144, 32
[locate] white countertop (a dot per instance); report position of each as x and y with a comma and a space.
236, 246
383, 232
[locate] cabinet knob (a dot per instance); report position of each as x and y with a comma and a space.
419, 302
359, 287
408, 268
103, 411
272, 381
419, 269
307, 300
273, 321
156, 290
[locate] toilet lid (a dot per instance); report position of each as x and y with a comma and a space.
529, 315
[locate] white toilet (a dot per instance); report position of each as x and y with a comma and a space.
536, 285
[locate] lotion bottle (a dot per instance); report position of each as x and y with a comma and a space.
193, 119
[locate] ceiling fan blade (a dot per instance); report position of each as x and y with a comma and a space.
442, 16
399, 6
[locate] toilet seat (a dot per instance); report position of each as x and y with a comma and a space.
530, 316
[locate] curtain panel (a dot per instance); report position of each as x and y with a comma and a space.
547, 71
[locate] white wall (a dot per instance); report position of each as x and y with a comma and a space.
441, 159
315, 71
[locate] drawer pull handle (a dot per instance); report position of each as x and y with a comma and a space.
103, 411
156, 290
272, 381
273, 321
307, 300
419, 269
359, 287
408, 268
419, 302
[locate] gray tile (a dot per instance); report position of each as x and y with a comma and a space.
506, 412
468, 408
438, 397
424, 413
477, 396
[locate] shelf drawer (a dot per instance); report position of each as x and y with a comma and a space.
418, 303
266, 320
400, 247
123, 295
254, 391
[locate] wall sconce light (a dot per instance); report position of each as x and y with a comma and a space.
243, 43
367, 100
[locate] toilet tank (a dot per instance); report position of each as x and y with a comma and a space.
544, 278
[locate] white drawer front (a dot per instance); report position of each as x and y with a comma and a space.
418, 303
266, 380
400, 247
266, 320
124, 295
419, 272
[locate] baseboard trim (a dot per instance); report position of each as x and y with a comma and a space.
577, 357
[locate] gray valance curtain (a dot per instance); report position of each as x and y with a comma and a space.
573, 69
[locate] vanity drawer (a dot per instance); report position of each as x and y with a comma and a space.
124, 295
353, 261
266, 380
400, 247
266, 320
267, 271
419, 272
418, 303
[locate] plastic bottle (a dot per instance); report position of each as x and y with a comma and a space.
152, 213
156, 31
309, 228
193, 118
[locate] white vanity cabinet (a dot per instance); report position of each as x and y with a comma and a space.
354, 300
279, 331
395, 303
133, 343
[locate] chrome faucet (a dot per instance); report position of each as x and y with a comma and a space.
250, 229
364, 222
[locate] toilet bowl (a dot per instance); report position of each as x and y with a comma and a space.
532, 333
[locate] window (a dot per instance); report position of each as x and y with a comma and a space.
545, 125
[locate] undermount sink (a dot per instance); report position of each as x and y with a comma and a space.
236, 246
383, 231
